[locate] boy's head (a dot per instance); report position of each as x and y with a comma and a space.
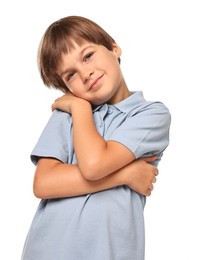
59, 39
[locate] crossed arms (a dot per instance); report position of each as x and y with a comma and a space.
101, 164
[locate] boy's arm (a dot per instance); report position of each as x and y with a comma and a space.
53, 179
96, 157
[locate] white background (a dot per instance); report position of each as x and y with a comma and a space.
159, 40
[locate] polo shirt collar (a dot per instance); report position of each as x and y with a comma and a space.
132, 102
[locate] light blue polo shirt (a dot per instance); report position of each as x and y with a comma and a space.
106, 225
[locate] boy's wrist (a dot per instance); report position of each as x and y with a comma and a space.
80, 105
123, 176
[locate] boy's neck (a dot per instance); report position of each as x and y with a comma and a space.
121, 94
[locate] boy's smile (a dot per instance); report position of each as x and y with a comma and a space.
92, 72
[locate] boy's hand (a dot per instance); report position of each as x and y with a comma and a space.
141, 175
68, 102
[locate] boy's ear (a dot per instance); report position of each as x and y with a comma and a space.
117, 50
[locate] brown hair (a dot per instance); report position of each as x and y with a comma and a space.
59, 38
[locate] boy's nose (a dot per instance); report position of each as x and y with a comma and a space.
87, 76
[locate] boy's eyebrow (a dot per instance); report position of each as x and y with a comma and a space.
64, 72
81, 52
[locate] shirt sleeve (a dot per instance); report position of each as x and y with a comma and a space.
146, 132
55, 139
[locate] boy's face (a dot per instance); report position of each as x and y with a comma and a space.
92, 72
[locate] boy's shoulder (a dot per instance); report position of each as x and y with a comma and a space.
136, 103
58, 118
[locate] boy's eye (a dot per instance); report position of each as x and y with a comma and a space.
87, 56
69, 76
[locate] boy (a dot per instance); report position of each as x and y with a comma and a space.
90, 173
